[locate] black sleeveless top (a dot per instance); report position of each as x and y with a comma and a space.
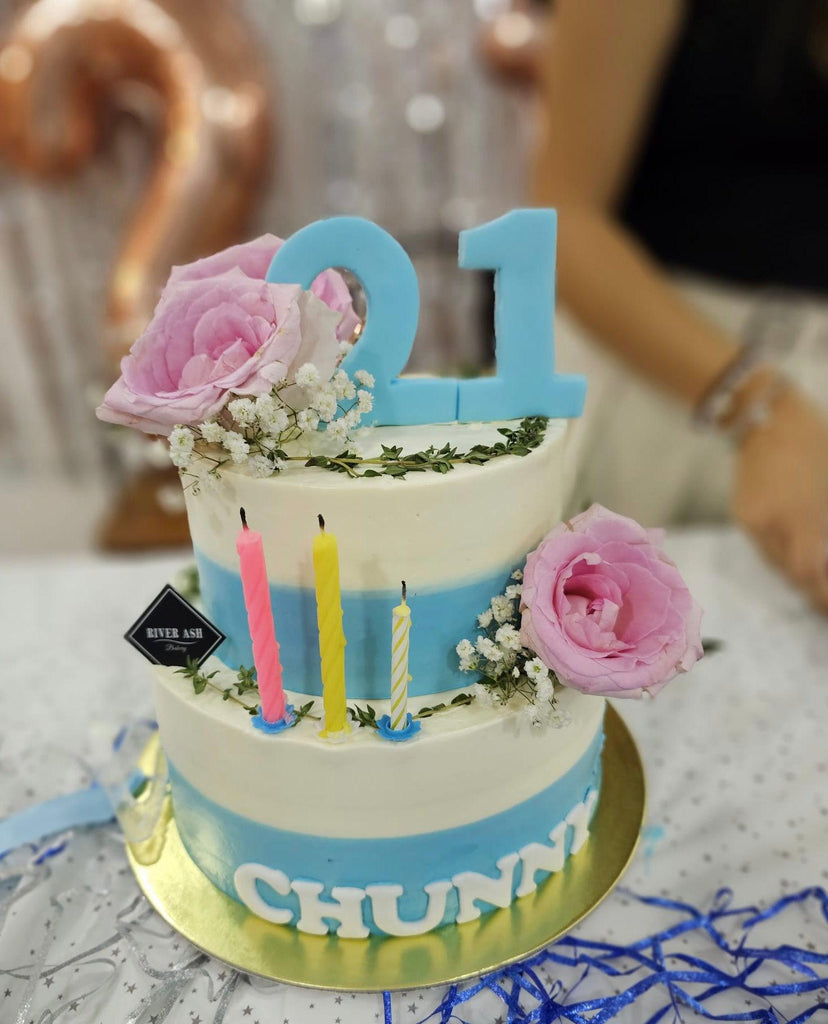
732, 179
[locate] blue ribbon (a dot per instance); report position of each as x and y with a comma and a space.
85, 807
686, 981
90, 806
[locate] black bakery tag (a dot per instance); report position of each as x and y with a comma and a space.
170, 631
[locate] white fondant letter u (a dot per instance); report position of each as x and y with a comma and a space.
344, 906
245, 879
386, 910
472, 886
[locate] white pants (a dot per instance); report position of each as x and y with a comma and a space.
636, 450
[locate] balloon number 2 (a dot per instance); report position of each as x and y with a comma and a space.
519, 247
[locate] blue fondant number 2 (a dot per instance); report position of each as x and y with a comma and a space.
519, 247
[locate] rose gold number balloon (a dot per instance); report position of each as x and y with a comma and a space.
512, 43
63, 62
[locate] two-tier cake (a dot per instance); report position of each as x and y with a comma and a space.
403, 727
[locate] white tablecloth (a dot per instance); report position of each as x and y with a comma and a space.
735, 755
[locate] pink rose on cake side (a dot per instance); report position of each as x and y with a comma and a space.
606, 610
219, 332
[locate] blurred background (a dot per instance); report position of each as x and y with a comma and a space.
124, 127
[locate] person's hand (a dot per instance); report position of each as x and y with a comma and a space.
780, 493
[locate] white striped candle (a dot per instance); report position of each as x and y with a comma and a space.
400, 628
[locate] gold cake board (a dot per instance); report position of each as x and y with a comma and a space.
225, 929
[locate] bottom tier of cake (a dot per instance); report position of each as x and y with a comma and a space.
368, 836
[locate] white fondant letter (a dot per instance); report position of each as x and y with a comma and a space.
245, 879
578, 818
540, 857
344, 906
472, 886
386, 912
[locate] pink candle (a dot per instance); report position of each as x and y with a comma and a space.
260, 622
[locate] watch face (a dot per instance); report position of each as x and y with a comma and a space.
172, 632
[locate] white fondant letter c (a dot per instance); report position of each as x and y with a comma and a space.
245, 879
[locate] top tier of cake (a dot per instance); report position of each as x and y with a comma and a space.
455, 538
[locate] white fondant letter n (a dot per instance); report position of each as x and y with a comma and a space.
540, 857
472, 886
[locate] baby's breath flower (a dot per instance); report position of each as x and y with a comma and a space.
516, 672
271, 414
235, 443
544, 690
307, 376
532, 715
467, 655
243, 411
260, 465
484, 619
502, 608
483, 695
465, 649
517, 574
489, 649
365, 401
212, 432
345, 348
343, 386
323, 400
508, 637
181, 446
337, 429
352, 418
513, 591
307, 419
266, 406
536, 670
275, 423
365, 378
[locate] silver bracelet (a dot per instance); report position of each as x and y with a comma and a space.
717, 402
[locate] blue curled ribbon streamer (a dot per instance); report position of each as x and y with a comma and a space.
685, 981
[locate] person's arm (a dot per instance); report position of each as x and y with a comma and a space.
601, 74
602, 70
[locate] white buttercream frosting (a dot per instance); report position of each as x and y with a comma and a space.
464, 765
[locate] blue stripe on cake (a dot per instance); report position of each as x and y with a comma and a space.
440, 619
219, 841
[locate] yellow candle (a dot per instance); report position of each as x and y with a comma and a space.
331, 635
400, 628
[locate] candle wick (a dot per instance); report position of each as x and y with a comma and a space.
321, 522
243, 515
404, 590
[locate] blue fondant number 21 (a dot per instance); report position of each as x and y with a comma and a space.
519, 247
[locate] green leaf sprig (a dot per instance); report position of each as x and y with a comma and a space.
393, 462
366, 718
245, 683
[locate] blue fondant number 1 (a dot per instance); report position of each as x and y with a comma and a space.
520, 247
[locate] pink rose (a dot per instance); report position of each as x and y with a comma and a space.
215, 337
253, 259
606, 610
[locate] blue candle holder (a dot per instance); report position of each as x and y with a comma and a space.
285, 722
411, 728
